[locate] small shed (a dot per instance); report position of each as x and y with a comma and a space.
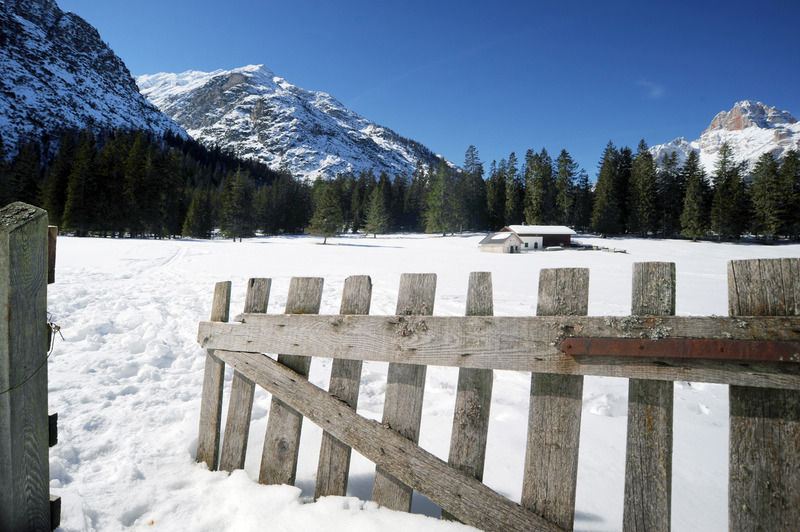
501, 243
541, 236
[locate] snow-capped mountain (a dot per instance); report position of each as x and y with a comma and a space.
257, 115
57, 74
751, 129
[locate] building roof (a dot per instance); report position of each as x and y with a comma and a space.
539, 229
496, 238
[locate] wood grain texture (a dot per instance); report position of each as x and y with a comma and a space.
648, 459
24, 423
764, 442
334, 456
554, 421
52, 240
511, 343
474, 394
282, 440
454, 491
213, 379
240, 406
405, 388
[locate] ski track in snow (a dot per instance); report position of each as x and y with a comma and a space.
126, 380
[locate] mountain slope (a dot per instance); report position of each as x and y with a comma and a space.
751, 128
257, 115
57, 74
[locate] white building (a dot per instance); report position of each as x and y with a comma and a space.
536, 237
501, 243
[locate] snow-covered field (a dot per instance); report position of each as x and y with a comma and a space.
127, 377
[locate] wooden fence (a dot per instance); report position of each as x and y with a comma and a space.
27, 265
756, 350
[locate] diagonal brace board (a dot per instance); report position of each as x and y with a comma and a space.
463, 496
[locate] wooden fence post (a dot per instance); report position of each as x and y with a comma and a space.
648, 460
240, 406
334, 456
474, 395
213, 379
554, 419
405, 388
24, 423
764, 459
282, 441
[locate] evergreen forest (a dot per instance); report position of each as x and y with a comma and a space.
133, 184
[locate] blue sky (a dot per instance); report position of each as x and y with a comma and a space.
504, 76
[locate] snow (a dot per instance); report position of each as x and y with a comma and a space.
126, 380
541, 229
264, 117
765, 129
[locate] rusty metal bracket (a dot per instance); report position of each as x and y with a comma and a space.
691, 348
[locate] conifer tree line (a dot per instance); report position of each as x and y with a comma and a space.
133, 184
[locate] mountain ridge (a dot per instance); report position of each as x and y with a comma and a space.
255, 114
59, 75
750, 127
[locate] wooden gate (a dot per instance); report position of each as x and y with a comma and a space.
756, 350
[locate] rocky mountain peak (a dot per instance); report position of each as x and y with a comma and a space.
57, 74
750, 113
751, 128
255, 114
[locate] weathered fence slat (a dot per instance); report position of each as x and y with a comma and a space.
24, 421
52, 240
282, 441
554, 422
512, 343
474, 395
334, 456
764, 454
213, 379
648, 460
460, 494
405, 387
240, 405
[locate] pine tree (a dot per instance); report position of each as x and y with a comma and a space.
642, 216
327, 219
439, 205
540, 188
136, 175
474, 189
377, 214
622, 185
670, 192
237, 206
789, 175
566, 171
694, 216
384, 184
25, 175
496, 196
415, 198
80, 187
198, 222
584, 202
54, 190
728, 208
771, 197
397, 212
515, 192
606, 218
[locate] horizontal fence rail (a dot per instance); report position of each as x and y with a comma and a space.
756, 350
518, 343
